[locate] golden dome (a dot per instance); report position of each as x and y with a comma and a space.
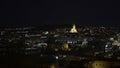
73, 29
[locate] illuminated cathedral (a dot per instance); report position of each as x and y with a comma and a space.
73, 29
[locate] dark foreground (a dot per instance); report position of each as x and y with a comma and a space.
41, 62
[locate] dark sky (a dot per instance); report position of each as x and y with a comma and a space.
40, 12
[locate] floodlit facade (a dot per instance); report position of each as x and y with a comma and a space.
73, 30
99, 64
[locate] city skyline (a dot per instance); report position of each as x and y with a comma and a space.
59, 34
66, 46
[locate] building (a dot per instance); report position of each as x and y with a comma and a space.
98, 64
73, 30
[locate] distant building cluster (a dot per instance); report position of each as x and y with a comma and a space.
61, 42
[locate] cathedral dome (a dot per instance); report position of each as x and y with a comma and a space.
73, 29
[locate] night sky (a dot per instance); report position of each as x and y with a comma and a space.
42, 12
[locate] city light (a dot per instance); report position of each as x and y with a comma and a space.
62, 46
